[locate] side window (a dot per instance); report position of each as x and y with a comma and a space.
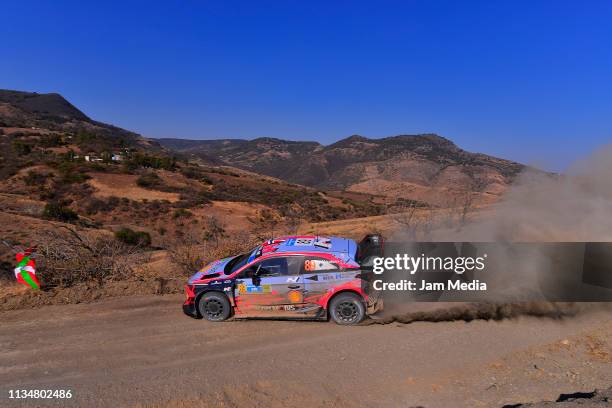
294, 265
279, 266
315, 264
272, 267
247, 273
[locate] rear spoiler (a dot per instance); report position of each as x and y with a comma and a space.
371, 245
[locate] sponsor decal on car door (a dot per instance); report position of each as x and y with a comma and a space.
320, 276
272, 287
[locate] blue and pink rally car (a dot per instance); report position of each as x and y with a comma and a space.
293, 277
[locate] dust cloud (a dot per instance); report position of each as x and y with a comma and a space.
539, 207
444, 312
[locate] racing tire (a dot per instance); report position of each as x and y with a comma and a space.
347, 309
214, 307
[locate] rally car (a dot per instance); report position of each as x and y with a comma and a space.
293, 277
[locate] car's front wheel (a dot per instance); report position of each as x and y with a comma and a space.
214, 306
347, 309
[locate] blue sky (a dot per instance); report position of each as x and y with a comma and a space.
529, 81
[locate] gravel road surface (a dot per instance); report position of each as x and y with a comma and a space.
143, 352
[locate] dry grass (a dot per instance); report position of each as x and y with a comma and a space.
124, 185
69, 257
192, 252
409, 224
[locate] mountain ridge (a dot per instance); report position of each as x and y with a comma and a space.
51, 111
46, 103
423, 167
59, 165
418, 166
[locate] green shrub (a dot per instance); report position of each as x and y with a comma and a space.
196, 173
35, 179
72, 178
191, 172
71, 172
154, 162
94, 205
148, 180
57, 211
51, 140
181, 212
131, 237
22, 148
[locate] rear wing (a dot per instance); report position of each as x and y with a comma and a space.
370, 246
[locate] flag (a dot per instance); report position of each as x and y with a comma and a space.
25, 272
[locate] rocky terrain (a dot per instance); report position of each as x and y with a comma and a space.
426, 168
52, 153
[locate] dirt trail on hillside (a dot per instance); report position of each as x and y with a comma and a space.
143, 352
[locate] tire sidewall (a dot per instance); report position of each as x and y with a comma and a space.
227, 308
342, 298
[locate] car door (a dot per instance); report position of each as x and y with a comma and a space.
320, 276
272, 287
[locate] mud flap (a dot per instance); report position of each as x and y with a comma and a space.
374, 304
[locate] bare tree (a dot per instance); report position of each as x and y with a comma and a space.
188, 252
407, 219
469, 199
68, 257
215, 230
191, 252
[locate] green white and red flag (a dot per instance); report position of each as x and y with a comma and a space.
25, 272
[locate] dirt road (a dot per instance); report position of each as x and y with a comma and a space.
144, 352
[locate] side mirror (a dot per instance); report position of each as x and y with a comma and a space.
256, 280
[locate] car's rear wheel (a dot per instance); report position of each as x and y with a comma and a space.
347, 309
214, 306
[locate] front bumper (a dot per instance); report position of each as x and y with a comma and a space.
189, 307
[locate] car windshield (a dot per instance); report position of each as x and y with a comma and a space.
236, 263
241, 260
